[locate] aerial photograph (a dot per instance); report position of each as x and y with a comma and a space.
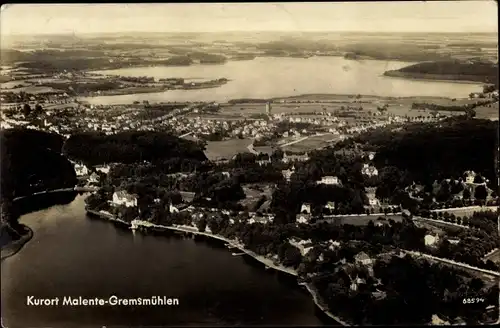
249, 164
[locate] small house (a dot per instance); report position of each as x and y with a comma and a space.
430, 240
363, 258
287, 174
81, 170
94, 178
469, 177
102, 168
303, 218
329, 180
187, 196
305, 208
330, 206
372, 199
369, 170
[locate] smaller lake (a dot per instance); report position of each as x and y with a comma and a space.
73, 255
268, 77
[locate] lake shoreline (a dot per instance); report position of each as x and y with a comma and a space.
16, 245
429, 77
312, 97
271, 78
155, 89
136, 224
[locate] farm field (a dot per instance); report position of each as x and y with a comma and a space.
312, 142
331, 103
468, 211
491, 113
364, 219
35, 89
226, 149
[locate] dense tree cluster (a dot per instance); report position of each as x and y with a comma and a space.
414, 290
438, 151
129, 147
31, 162
83, 88
207, 58
177, 61
406, 283
452, 108
474, 243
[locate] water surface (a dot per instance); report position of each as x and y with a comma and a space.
268, 77
73, 255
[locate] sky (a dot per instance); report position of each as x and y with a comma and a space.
434, 16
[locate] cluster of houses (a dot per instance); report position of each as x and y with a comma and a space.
201, 127
369, 170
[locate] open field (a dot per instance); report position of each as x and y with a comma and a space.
226, 149
313, 142
14, 84
363, 219
468, 211
35, 89
216, 116
254, 192
60, 106
485, 112
446, 226
331, 103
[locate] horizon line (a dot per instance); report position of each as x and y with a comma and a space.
250, 31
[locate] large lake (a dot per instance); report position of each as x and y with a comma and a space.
268, 77
73, 255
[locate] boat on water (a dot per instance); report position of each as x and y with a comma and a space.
237, 254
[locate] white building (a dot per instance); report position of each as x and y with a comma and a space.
329, 180
356, 282
430, 240
372, 199
94, 178
263, 162
469, 176
124, 198
304, 246
303, 218
363, 258
268, 108
305, 208
290, 158
172, 209
102, 168
81, 170
369, 170
330, 206
287, 174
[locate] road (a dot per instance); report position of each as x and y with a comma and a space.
441, 222
294, 142
463, 265
186, 134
